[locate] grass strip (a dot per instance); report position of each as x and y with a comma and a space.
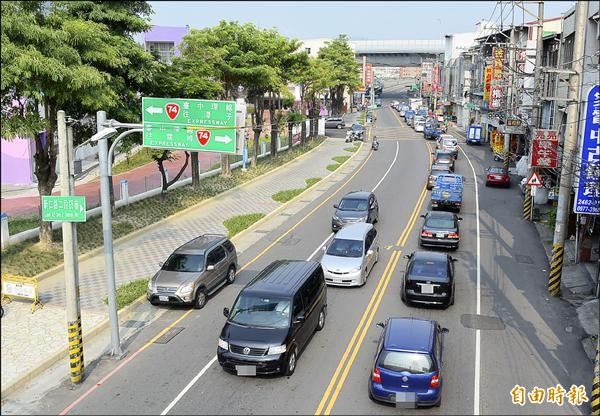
20, 224
136, 160
129, 292
28, 258
289, 194
239, 223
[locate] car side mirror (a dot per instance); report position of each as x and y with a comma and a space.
160, 264
369, 252
324, 248
453, 259
298, 320
226, 312
445, 330
380, 325
336, 206
210, 267
423, 215
460, 218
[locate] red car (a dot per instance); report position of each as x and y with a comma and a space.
497, 175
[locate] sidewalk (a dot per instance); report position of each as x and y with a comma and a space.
25, 201
28, 340
578, 280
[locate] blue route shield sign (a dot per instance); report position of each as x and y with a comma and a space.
587, 182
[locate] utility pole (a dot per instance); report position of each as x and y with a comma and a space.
570, 143
537, 93
109, 261
510, 95
69, 233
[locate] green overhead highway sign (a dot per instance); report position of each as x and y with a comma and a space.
63, 208
196, 125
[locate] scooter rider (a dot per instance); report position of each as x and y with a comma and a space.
375, 144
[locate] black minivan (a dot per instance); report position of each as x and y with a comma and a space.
273, 318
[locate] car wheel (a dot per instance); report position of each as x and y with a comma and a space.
439, 403
376, 256
339, 126
403, 295
231, 275
290, 366
487, 183
201, 299
154, 302
321, 321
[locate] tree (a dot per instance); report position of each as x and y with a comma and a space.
345, 70
160, 157
51, 58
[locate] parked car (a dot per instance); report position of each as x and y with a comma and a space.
357, 206
334, 123
403, 110
351, 255
273, 318
497, 175
407, 370
194, 271
440, 229
419, 126
416, 120
447, 192
448, 143
429, 279
409, 116
431, 131
443, 157
436, 170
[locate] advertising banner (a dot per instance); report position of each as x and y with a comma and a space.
487, 83
544, 153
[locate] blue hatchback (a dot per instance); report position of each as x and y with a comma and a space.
408, 364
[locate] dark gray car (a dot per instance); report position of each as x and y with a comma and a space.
334, 123
359, 206
194, 271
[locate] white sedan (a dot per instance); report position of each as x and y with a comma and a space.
419, 126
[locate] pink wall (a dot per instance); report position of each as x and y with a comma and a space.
16, 162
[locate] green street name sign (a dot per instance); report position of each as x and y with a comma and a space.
63, 208
196, 125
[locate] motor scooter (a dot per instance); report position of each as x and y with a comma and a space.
375, 144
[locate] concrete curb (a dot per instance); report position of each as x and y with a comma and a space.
126, 311
63, 354
51, 272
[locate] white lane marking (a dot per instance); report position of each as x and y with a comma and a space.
477, 333
389, 169
211, 362
319, 247
189, 386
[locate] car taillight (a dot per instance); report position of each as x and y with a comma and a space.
435, 381
376, 375
452, 235
426, 234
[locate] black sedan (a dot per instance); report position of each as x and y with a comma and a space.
429, 279
445, 158
440, 229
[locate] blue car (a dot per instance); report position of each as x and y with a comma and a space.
408, 364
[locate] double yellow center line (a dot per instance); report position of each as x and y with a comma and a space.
341, 372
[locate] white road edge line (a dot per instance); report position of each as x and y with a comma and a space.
211, 362
189, 386
478, 311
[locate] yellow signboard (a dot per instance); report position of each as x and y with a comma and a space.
487, 83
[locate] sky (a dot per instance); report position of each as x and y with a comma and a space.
360, 20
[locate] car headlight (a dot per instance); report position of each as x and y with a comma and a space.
354, 270
279, 349
223, 344
186, 288
150, 284
363, 218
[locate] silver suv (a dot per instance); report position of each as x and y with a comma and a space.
194, 271
350, 257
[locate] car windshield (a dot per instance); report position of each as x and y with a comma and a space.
442, 156
429, 269
184, 263
412, 362
438, 172
261, 311
349, 204
440, 223
345, 248
450, 142
497, 170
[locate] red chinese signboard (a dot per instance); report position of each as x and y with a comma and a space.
544, 153
369, 74
497, 89
487, 84
496, 96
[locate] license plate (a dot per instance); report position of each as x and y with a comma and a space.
245, 370
440, 235
163, 298
406, 400
427, 289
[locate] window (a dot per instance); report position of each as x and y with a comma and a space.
345, 248
348, 204
440, 223
434, 270
298, 306
163, 50
184, 263
438, 346
312, 286
216, 255
261, 311
415, 363
229, 246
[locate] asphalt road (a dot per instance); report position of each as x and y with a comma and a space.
522, 339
